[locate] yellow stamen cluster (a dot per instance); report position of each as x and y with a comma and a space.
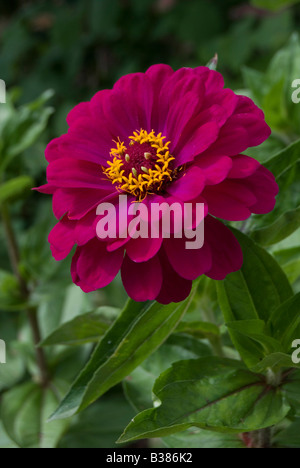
141, 180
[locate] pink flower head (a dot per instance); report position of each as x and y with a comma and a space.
163, 137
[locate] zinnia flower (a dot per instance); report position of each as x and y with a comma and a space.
161, 136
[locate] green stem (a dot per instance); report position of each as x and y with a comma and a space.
217, 346
13, 250
215, 341
14, 256
263, 437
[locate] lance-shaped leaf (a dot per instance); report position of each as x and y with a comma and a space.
139, 384
24, 411
137, 333
284, 226
15, 188
285, 322
86, 328
285, 218
289, 259
199, 329
258, 332
274, 4
276, 362
210, 393
252, 293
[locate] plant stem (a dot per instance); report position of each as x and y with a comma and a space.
40, 355
263, 438
14, 256
13, 250
217, 347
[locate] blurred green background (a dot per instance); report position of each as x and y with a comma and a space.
76, 48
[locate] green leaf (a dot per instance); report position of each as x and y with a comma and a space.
15, 188
274, 361
285, 322
14, 369
86, 328
10, 296
5, 441
210, 393
24, 410
21, 128
100, 425
138, 385
290, 436
257, 331
199, 438
282, 228
137, 333
285, 219
256, 82
284, 159
253, 293
289, 259
213, 63
198, 329
274, 4
291, 389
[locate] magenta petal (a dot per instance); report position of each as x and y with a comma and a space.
226, 99
52, 151
142, 250
68, 173
47, 189
214, 81
77, 203
122, 227
142, 281
172, 89
79, 111
264, 186
257, 129
203, 137
229, 200
76, 148
135, 91
158, 75
181, 113
174, 287
189, 186
93, 267
190, 264
61, 239
246, 106
113, 106
215, 169
227, 255
231, 141
90, 137
86, 228
242, 167
214, 114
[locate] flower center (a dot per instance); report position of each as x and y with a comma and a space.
144, 167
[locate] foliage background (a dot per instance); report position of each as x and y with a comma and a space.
76, 48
